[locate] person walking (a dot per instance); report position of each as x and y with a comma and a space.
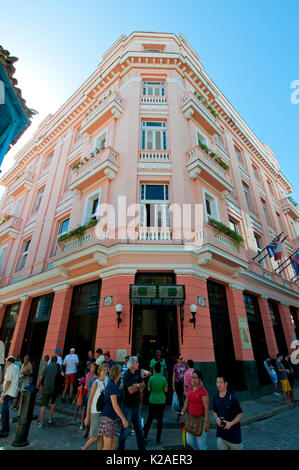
90, 360
71, 362
272, 374
49, 377
108, 424
10, 391
80, 403
132, 385
196, 409
157, 387
41, 381
188, 384
26, 372
179, 370
93, 415
228, 414
283, 379
286, 362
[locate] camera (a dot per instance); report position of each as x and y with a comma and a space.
223, 424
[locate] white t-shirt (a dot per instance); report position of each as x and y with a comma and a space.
99, 390
70, 362
99, 360
12, 375
59, 360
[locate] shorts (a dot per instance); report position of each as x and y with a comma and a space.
108, 427
225, 445
48, 397
70, 379
84, 402
95, 419
285, 385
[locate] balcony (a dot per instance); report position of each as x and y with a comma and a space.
23, 181
108, 107
288, 207
193, 107
154, 234
10, 228
199, 163
103, 164
159, 100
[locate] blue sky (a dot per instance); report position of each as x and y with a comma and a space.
249, 48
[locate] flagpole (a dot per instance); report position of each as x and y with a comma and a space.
279, 267
285, 267
274, 240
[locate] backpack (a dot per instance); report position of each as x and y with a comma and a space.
101, 401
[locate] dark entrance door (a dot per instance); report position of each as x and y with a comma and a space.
278, 329
36, 329
8, 325
257, 334
82, 325
295, 320
222, 337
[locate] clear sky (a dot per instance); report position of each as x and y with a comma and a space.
249, 48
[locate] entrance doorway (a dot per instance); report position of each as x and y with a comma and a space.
277, 327
222, 337
36, 330
258, 339
8, 325
82, 325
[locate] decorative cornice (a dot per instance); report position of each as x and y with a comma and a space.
61, 287
24, 298
236, 286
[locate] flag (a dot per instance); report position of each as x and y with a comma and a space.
183, 435
295, 263
274, 249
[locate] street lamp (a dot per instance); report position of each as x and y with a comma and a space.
118, 309
193, 309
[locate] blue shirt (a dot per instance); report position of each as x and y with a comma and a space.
228, 407
108, 410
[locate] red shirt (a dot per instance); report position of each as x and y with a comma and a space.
196, 407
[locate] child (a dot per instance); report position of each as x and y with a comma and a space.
80, 403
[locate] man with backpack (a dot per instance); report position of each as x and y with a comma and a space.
228, 414
50, 375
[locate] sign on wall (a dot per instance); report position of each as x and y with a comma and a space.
245, 334
201, 301
108, 300
121, 354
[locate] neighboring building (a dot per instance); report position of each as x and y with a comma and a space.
150, 125
14, 114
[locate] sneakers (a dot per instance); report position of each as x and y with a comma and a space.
50, 421
40, 425
276, 394
73, 423
81, 427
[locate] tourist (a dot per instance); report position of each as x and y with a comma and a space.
158, 387
90, 360
58, 353
108, 424
286, 362
188, 383
93, 369
272, 374
196, 409
132, 385
78, 400
71, 362
283, 379
10, 391
107, 359
41, 381
49, 376
228, 414
26, 372
179, 370
99, 357
93, 416
158, 358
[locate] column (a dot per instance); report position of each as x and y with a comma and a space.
2, 313
19, 331
268, 325
197, 342
109, 336
288, 327
236, 307
59, 319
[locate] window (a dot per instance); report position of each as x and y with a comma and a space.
153, 88
63, 228
153, 135
211, 207
24, 255
153, 212
201, 139
247, 195
256, 173
92, 207
17, 207
259, 249
265, 211
39, 199
239, 155
294, 229
279, 222
100, 141
3, 251
49, 160
233, 226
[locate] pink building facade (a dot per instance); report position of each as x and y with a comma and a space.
82, 266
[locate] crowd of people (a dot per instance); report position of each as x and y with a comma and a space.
108, 397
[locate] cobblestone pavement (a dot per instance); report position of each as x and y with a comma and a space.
278, 432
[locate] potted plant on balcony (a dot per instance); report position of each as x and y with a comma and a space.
214, 156
227, 231
4, 219
77, 232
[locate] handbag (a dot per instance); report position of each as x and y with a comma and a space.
194, 424
175, 402
101, 401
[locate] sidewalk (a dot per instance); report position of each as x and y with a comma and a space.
253, 410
